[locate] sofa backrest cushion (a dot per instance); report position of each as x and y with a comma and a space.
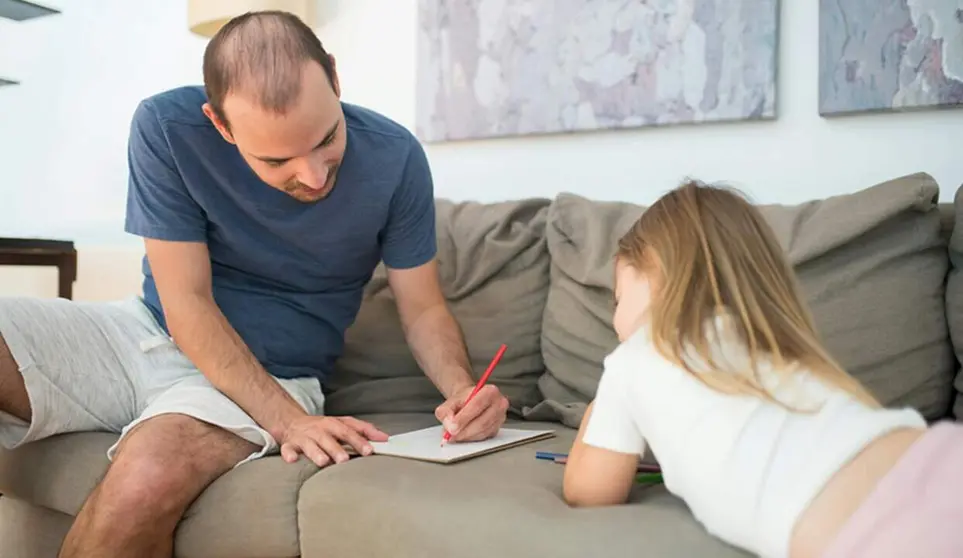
954, 296
872, 265
493, 266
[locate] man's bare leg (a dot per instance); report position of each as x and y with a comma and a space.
161, 466
13, 392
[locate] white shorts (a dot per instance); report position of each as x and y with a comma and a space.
94, 366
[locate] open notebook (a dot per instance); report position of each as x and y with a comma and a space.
425, 445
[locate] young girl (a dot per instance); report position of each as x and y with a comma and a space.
774, 448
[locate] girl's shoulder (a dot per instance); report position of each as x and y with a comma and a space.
635, 354
637, 344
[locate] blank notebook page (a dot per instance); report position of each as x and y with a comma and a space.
426, 444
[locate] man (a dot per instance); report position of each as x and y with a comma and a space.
265, 204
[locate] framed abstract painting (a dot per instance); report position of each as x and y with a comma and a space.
490, 68
890, 55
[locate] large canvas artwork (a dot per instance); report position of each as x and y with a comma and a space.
489, 68
889, 55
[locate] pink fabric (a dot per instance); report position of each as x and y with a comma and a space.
917, 508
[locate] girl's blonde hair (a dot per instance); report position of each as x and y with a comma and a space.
711, 253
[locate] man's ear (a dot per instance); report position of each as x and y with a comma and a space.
221, 127
335, 82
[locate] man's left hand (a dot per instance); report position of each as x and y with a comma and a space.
479, 420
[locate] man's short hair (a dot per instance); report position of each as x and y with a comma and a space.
261, 55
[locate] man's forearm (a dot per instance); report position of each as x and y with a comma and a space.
438, 345
203, 333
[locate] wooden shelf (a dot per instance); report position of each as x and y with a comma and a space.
21, 10
44, 252
4, 81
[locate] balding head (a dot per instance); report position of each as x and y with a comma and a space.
261, 56
273, 92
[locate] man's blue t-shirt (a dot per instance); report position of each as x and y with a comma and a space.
288, 275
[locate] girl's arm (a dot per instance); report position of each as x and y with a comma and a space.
596, 476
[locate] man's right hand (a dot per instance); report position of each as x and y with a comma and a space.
320, 438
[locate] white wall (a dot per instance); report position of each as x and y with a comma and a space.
63, 131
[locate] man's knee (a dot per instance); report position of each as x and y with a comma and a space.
13, 392
165, 462
139, 488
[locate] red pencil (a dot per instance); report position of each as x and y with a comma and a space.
480, 384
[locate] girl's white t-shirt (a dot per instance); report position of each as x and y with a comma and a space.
746, 467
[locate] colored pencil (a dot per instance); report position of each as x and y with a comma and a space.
562, 458
646, 478
549, 455
481, 382
640, 468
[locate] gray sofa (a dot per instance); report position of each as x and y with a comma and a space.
536, 274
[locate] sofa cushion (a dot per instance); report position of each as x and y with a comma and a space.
503, 504
954, 296
872, 265
493, 265
577, 323
247, 513
31, 531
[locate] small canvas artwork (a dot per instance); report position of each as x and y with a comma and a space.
489, 68
890, 55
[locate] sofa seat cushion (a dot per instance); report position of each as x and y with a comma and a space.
504, 504
31, 531
248, 512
